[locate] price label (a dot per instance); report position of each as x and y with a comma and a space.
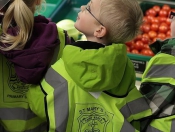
139, 65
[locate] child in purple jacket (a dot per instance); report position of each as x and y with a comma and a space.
28, 46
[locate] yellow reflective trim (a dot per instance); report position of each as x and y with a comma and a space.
62, 38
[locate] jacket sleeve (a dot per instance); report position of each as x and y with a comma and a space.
64, 40
158, 88
35, 97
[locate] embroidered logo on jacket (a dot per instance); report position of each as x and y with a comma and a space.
94, 118
14, 83
13, 89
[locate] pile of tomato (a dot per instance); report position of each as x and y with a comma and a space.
156, 25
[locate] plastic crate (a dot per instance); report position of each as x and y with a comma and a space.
140, 61
68, 10
51, 6
150, 3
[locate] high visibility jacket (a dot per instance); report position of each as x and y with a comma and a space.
92, 88
158, 87
16, 114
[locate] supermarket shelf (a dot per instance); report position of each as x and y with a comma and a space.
169, 2
51, 6
68, 10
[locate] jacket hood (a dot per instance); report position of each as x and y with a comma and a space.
95, 67
32, 62
164, 46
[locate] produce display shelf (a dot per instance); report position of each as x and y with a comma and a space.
140, 62
146, 4
68, 9
49, 8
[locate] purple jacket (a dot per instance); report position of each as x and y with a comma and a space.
32, 62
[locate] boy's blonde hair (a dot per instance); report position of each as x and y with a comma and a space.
122, 18
21, 14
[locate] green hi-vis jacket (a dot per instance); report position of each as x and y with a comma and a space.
15, 112
91, 89
158, 86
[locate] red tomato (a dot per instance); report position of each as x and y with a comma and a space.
131, 47
138, 37
145, 20
134, 51
152, 34
147, 52
145, 35
163, 28
129, 43
155, 27
168, 36
166, 7
168, 33
138, 45
164, 23
127, 48
154, 39
145, 40
156, 8
161, 36
146, 28
152, 12
168, 21
147, 13
146, 46
163, 13
141, 28
149, 18
162, 19
155, 20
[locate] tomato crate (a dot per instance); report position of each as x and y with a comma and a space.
146, 4
140, 61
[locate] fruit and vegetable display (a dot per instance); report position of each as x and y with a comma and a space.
156, 25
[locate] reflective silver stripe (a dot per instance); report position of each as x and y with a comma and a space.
152, 129
61, 104
134, 107
16, 114
173, 126
41, 128
161, 71
127, 127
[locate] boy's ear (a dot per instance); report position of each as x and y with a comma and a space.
100, 32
